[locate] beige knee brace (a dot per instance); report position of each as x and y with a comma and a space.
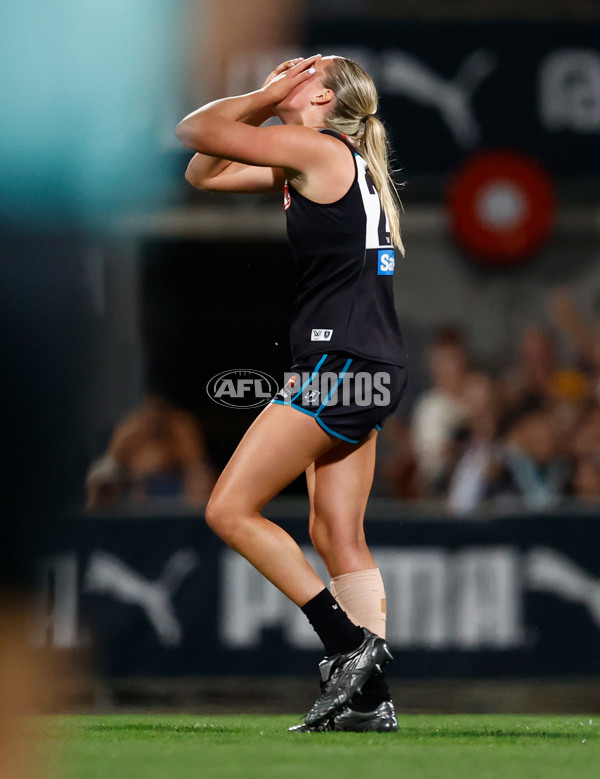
362, 596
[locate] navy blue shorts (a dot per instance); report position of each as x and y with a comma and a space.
347, 395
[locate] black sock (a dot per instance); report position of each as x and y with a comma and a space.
374, 692
331, 624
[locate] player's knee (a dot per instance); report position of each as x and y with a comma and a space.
335, 540
212, 514
319, 539
328, 536
219, 517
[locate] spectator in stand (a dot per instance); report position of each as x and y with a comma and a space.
440, 411
586, 441
479, 453
569, 402
586, 481
158, 450
583, 337
534, 472
527, 382
396, 466
586, 450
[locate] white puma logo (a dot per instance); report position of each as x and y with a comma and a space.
404, 74
107, 574
550, 571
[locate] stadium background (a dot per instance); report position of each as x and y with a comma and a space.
119, 282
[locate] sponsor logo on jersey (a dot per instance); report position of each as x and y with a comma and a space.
321, 335
287, 200
386, 262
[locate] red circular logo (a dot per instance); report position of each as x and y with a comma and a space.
502, 207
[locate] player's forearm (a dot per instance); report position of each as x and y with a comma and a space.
253, 108
203, 167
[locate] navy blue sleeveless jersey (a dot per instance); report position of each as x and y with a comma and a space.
345, 270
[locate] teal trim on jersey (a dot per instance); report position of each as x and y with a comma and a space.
377, 427
333, 389
305, 385
332, 432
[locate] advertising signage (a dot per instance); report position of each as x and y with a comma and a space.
450, 89
162, 596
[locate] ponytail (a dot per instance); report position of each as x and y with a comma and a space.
353, 114
374, 147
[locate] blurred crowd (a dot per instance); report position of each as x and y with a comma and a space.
158, 450
527, 436
523, 437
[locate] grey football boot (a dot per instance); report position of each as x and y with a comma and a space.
344, 675
382, 720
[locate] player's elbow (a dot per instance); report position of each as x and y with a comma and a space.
191, 132
182, 131
193, 177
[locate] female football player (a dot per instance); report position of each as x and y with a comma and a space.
329, 157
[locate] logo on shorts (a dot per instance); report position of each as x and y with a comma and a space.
242, 388
321, 335
287, 391
312, 397
386, 262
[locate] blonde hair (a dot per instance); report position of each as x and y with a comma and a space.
353, 114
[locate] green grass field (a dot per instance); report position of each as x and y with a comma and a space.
436, 747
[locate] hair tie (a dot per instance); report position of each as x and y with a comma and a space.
368, 116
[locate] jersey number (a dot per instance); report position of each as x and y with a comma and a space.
378, 232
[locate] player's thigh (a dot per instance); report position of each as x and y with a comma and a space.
339, 483
276, 449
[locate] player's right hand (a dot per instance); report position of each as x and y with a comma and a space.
281, 69
290, 77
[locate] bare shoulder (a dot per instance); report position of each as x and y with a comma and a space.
328, 174
316, 138
307, 137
